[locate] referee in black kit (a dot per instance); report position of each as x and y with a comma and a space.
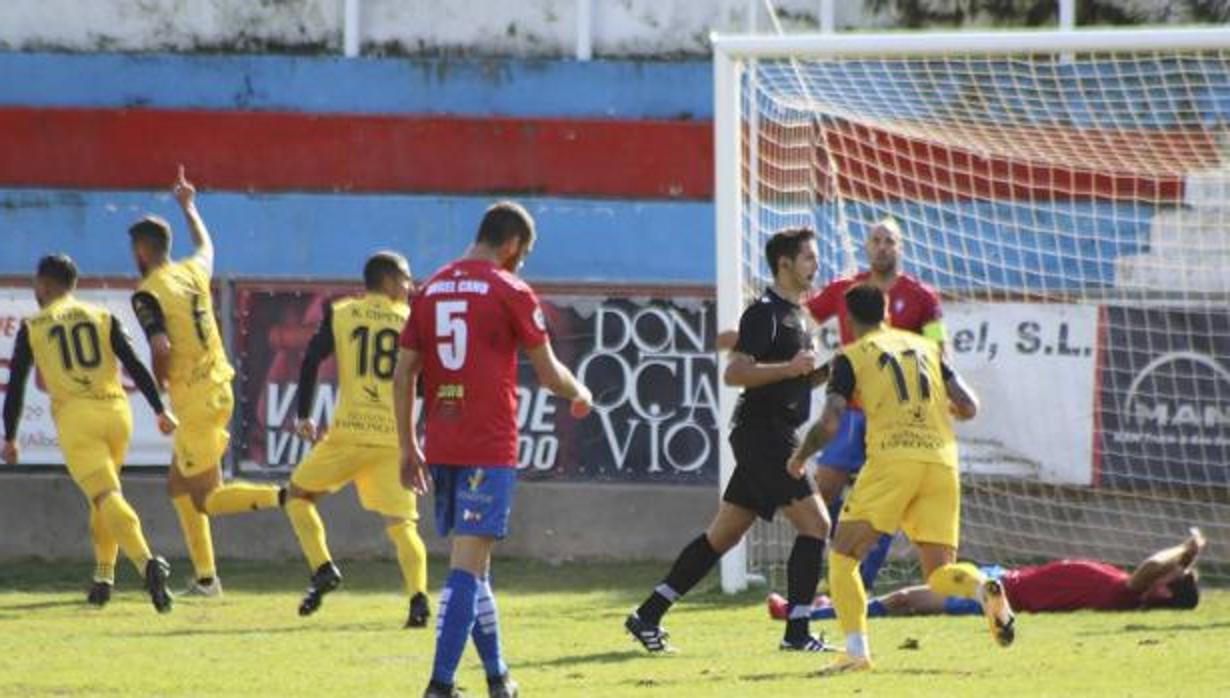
773, 362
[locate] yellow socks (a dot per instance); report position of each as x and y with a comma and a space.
956, 579
411, 555
105, 548
196, 536
849, 595
237, 497
123, 524
309, 529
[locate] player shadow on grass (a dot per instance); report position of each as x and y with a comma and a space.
306, 627
1142, 628
572, 660
41, 605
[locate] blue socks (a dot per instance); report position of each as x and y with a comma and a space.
957, 606
486, 633
457, 612
870, 568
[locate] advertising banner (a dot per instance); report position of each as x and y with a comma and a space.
1033, 367
1164, 388
649, 362
40, 445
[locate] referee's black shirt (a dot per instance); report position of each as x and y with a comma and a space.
772, 331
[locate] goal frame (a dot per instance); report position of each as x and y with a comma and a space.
731, 51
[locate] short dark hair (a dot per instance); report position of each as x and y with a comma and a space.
59, 268
785, 244
381, 265
502, 221
1184, 591
152, 230
866, 304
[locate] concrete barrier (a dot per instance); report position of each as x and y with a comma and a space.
44, 516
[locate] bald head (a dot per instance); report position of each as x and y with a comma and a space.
884, 246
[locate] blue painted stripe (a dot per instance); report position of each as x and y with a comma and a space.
596, 89
1047, 247
330, 235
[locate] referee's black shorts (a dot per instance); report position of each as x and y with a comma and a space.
760, 482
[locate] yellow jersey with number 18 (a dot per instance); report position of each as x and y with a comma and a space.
183, 292
899, 382
71, 344
365, 333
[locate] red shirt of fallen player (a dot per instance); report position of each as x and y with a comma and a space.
912, 305
467, 322
1071, 585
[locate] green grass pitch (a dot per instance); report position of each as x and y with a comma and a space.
563, 637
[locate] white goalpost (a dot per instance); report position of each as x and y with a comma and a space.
1068, 194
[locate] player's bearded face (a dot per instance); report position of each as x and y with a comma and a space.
883, 250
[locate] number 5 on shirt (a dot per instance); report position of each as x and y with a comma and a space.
451, 327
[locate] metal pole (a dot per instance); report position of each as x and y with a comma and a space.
828, 16
753, 12
350, 28
585, 30
1067, 15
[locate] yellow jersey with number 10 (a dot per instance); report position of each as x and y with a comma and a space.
900, 385
71, 344
365, 333
183, 292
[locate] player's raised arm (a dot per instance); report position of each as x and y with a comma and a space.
963, 403
15, 394
121, 346
319, 348
1165, 562
557, 378
185, 194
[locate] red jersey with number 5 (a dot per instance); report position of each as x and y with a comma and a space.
467, 322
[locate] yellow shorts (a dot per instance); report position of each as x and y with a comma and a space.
374, 470
922, 499
202, 438
94, 440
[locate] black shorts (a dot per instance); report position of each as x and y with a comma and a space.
760, 482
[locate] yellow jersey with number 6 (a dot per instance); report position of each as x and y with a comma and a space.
899, 382
182, 290
71, 344
365, 333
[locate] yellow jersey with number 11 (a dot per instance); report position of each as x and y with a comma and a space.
899, 381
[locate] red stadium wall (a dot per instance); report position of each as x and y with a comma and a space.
270, 151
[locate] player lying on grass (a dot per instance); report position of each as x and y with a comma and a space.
1166, 579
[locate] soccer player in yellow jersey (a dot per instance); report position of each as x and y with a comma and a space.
175, 308
361, 444
910, 480
75, 346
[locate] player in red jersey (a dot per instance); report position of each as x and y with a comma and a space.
1166, 579
465, 328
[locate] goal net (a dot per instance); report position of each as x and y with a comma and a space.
1068, 195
